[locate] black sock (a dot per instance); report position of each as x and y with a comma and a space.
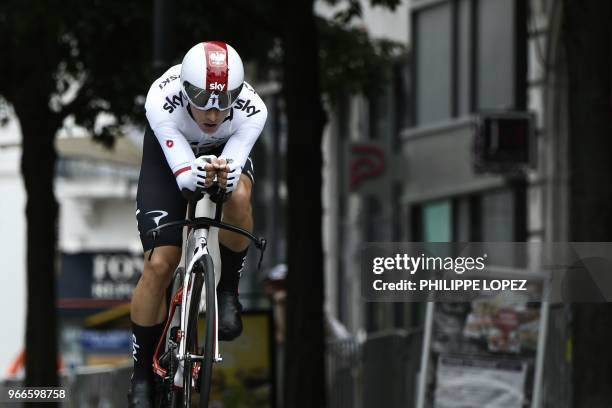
144, 341
231, 268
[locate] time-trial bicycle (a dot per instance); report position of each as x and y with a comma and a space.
181, 363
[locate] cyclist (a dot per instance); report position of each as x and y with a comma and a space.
200, 113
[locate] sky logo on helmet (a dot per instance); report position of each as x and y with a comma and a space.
216, 58
215, 86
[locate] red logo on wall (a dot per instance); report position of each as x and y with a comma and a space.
368, 163
169, 143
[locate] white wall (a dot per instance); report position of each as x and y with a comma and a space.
102, 220
12, 244
384, 23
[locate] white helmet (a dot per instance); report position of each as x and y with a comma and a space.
212, 75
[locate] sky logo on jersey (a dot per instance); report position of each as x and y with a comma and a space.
172, 104
215, 86
246, 106
216, 58
167, 81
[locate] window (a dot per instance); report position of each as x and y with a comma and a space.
497, 216
464, 48
495, 52
489, 216
469, 55
433, 64
437, 222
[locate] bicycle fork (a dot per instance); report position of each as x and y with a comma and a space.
197, 246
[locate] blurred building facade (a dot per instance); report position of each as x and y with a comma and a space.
100, 255
465, 58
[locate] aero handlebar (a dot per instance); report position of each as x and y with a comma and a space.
217, 195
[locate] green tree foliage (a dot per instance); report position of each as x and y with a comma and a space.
100, 49
350, 61
93, 57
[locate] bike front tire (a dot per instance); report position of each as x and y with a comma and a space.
208, 348
204, 280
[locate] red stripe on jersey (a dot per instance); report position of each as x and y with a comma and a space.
216, 66
179, 171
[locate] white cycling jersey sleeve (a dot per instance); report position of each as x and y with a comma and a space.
178, 153
239, 146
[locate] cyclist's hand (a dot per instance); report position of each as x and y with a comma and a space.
229, 174
222, 173
206, 168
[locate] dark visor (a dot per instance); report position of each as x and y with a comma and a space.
201, 98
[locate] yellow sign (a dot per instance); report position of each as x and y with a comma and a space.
245, 377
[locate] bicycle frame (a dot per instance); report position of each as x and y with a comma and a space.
196, 248
197, 244
157, 368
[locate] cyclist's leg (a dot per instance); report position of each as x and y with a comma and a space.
158, 201
233, 249
237, 211
149, 298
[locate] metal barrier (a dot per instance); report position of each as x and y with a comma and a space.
391, 363
381, 372
101, 387
343, 373
93, 387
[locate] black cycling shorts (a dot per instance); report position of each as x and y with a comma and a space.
159, 199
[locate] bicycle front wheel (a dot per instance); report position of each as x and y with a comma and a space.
204, 280
191, 334
211, 329
209, 351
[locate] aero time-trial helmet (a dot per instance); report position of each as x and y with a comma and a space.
212, 75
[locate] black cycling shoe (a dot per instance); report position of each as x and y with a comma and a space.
230, 322
140, 395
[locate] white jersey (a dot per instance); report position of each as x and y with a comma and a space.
179, 135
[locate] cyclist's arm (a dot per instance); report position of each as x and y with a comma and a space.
178, 153
162, 112
239, 145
